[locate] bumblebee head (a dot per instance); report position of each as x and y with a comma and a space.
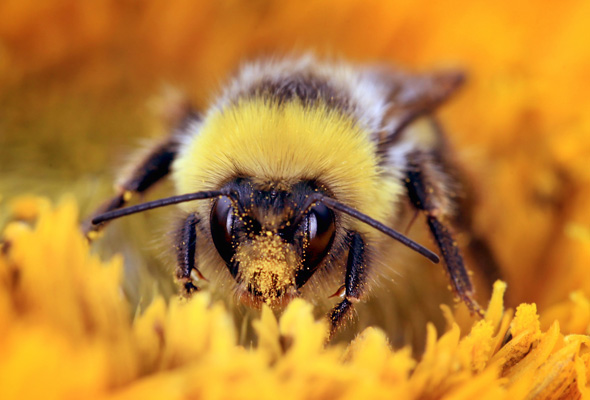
272, 237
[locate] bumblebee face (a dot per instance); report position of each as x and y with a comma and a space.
272, 240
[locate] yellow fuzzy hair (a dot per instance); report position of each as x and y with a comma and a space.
286, 143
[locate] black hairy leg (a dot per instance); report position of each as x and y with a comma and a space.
152, 167
354, 284
150, 170
418, 96
187, 271
425, 196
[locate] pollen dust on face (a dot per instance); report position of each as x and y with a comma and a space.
267, 266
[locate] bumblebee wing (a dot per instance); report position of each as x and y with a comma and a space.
414, 96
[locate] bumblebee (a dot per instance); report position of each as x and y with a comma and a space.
290, 180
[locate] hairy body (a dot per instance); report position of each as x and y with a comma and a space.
304, 162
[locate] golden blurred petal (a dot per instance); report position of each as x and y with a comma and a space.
61, 306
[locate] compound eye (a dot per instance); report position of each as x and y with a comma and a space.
319, 232
222, 226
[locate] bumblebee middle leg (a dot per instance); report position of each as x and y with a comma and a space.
426, 195
178, 115
152, 168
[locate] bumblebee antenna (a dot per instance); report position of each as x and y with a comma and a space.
406, 241
108, 216
157, 204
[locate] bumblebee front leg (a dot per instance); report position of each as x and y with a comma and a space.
186, 245
354, 284
151, 169
424, 195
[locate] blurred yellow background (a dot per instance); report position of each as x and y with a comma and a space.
79, 79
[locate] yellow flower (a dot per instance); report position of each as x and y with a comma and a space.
67, 331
